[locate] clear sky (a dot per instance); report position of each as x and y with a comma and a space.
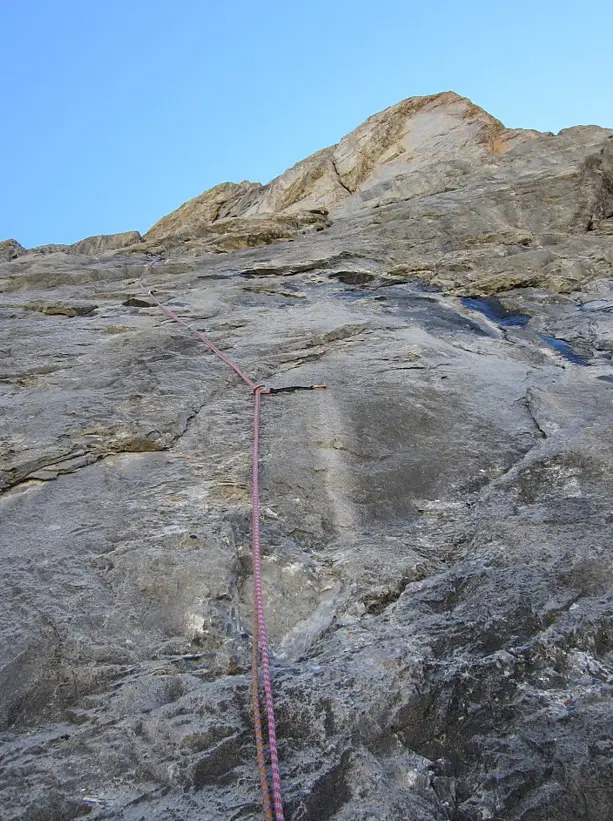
114, 113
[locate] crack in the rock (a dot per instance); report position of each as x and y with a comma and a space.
338, 176
526, 458
526, 401
83, 457
88, 458
296, 268
414, 367
376, 604
186, 426
44, 370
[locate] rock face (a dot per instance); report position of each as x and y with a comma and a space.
418, 151
437, 522
92, 245
10, 249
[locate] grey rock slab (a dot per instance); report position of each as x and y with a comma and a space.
436, 522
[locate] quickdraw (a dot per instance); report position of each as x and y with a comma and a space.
289, 389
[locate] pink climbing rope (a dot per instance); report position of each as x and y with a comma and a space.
260, 657
258, 601
206, 341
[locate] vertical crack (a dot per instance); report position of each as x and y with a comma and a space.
338, 177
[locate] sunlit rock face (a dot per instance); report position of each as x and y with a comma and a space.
436, 523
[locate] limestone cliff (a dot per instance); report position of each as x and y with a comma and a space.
436, 523
415, 147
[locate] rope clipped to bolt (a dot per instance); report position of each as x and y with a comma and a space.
260, 660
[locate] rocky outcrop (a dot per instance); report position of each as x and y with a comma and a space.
447, 178
10, 249
436, 523
420, 135
193, 217
104, 242
90, 246
417, 135
440, 166
232, 234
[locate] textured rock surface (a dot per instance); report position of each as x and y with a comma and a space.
10, 249
92, 245
437, 523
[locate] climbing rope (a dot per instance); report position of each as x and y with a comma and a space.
259, 620
260, 662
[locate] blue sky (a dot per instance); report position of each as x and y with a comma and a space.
114, 113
